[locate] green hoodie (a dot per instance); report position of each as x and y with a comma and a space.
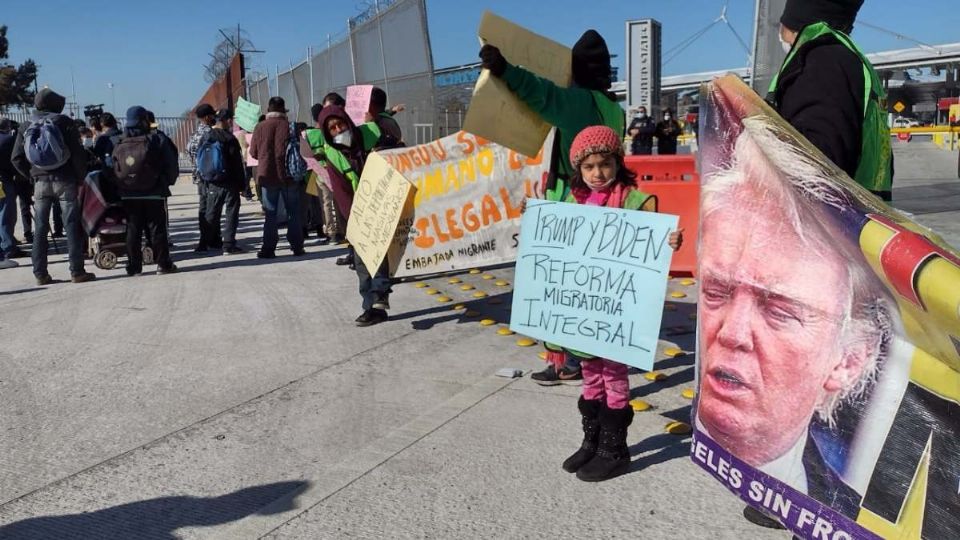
570, 110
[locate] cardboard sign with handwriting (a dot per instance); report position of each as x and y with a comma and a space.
593, 279
495, 112
377, 207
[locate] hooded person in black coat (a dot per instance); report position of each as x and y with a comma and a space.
821, 91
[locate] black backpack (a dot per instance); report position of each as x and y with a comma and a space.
135, 165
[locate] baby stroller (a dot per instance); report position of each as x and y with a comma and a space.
105, 222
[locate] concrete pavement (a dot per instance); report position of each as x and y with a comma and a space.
238, 400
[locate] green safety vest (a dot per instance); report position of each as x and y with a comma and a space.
874, 170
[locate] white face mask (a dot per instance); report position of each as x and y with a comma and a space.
786, 46
87, 142
667, 117
345, 138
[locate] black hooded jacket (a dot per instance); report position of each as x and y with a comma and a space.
49, 104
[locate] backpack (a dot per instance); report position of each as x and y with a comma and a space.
134, 165
211, 166
296, 165
44, 145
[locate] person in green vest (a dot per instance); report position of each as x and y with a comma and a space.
346, 147
588, 102
829, 91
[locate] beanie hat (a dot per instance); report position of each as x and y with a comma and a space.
839, 14
591, 62
594, 140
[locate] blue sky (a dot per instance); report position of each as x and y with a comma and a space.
153, 52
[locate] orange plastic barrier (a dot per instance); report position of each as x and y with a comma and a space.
676, 183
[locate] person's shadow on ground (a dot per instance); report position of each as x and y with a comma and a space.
157, 519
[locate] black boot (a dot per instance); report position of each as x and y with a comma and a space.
613, 456
590, 418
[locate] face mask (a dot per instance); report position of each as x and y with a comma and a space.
667, 117
786, 46
87, 142
641, 114
344, 138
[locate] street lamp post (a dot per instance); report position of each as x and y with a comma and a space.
113, 95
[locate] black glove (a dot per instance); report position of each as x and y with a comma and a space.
491, 59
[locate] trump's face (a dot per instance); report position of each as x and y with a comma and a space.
771, 313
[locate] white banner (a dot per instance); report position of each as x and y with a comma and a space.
466, 209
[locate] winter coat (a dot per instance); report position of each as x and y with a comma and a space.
49, 104
820, 93
269, 148
163, 154
667, 133
233, 157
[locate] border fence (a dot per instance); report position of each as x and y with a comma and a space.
388, 46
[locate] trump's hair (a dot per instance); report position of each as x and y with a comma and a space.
789, 177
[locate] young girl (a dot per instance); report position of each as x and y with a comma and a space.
600, 179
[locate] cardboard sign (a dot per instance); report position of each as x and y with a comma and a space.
495, 112
593, 279
358, 102
246, 115
377, 206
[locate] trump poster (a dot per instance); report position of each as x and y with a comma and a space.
828, 339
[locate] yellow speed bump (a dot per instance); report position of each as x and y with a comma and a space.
677, 428
505, 331
526, 342
502, 283
655, 376
543, 355
479, 294
475, 271
688, 393
687, 282
421, 285
460, 306
454, 281
487, 276
678, 294
673, 352
444, 299
639, 405
467, 287
488, 322
432, 291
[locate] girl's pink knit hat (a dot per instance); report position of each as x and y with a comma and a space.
594, 140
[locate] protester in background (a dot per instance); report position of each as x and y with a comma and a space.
601, 179
242, 137
269, 148
55, 180
4, 261
220, 162
346, 147
87, 138
143, 166
334, 224
24, 193
667, 133
96, 125
829, 91
587, 102
642, 130
206, 117
8, 204
108, 138
390, 134
334, 98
